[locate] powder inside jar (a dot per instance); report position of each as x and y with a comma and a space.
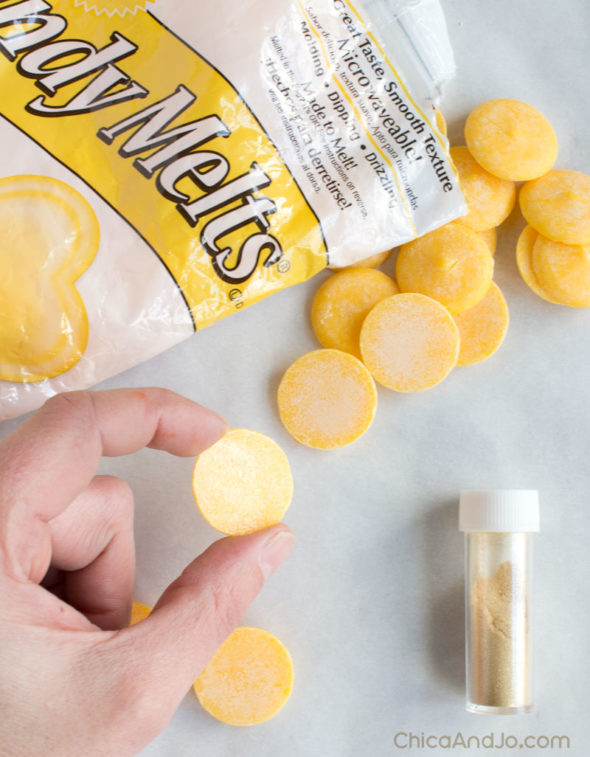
499, 643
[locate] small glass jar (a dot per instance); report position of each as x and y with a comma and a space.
498, 528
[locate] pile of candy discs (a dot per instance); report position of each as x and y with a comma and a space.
443, 309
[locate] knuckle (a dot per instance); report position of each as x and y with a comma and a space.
77, 403
118, 495
73, 413
146, 703
143, 708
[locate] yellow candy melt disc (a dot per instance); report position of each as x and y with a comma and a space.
490, 200
524, 251
342, 303
558, 206
482, 328
248, 680
490, 237
563, 270
409, 342
452, 265
243, 482
139, 611
327, 399
50, 237
511, 139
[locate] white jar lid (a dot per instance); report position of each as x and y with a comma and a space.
502, 510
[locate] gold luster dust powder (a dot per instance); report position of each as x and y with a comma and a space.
499, 640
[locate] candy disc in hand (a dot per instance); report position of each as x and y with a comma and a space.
243, 482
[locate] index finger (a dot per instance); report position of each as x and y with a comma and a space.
53, 457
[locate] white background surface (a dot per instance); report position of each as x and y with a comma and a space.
370, 602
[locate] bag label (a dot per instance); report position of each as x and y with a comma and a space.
173, 148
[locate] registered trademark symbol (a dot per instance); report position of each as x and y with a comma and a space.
283, 266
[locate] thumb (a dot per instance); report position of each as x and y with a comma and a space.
169, 649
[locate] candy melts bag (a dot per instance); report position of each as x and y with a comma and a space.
164, 164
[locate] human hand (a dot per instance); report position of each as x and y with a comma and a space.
74, 679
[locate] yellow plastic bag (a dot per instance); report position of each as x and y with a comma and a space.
164, 164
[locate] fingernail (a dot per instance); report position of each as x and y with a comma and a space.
274, 550
223, 425
218, 426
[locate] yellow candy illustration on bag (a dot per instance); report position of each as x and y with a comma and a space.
50, 236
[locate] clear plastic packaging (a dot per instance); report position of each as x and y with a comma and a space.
165, 164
